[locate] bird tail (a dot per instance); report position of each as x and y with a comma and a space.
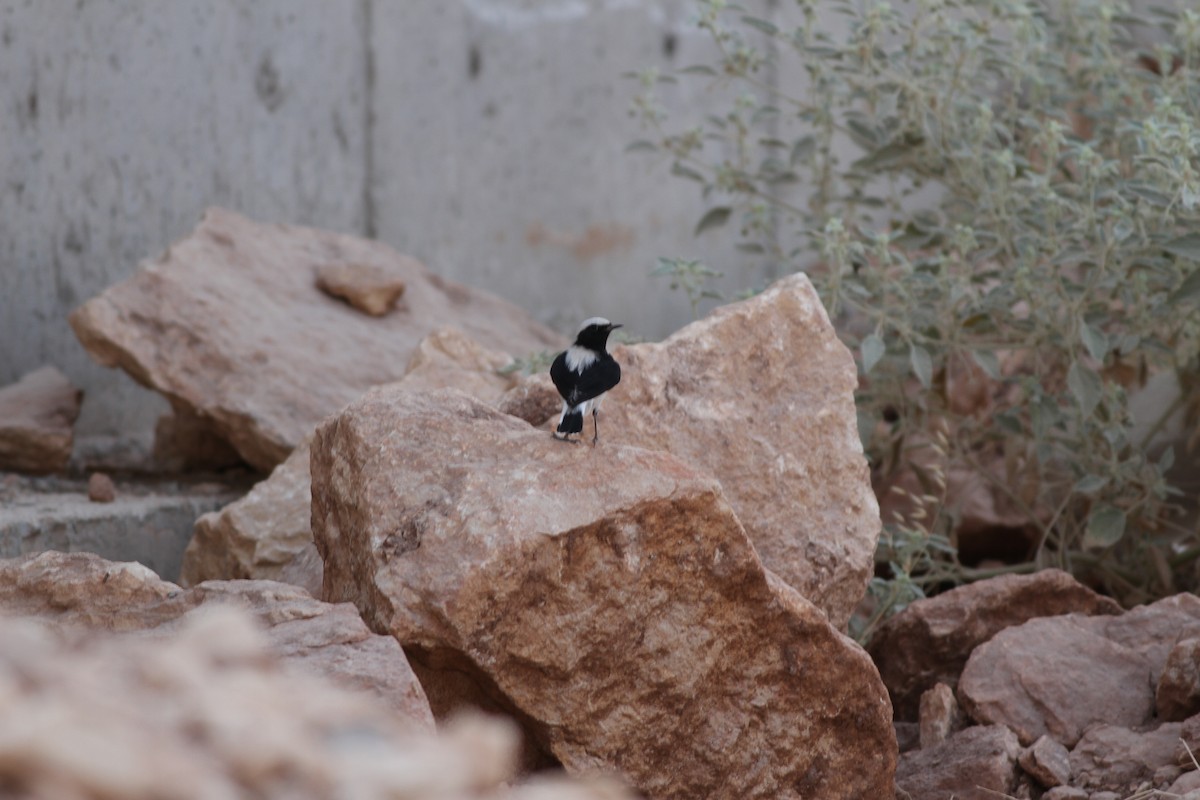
571, 422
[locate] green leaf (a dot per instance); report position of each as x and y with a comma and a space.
802, 149
872, 349
922, 365
1095, 341
761, 24
699, 69
1087, 387
1105, 527
988, 362
713, 218
1090, 484
1188, 290
686, 172
1186, 246
1166, 461
641, 145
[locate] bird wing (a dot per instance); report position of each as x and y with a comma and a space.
602, 375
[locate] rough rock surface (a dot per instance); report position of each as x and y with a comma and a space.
761, 393
83, 590
371, 288
1060, 675
940, 715
258, 535
608, 597
205, 711
930, 641
100, 488
975, 764
184, 442
37, 415
1047, 762
268, 534
1178, 694
234, 303
1116, 759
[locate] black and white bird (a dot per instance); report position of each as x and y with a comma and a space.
582, 374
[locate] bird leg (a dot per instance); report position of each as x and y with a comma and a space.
596, 425
566, 437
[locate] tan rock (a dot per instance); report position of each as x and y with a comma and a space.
228, 324
1061, 675
534, 399
940, 715
607, 597
1047, 762
37, 415
449, 359
81, 590
260, 535
371, 288
205, 710
1178, 694
1116, 759
761, 393
929, 642
100, 488
975, 764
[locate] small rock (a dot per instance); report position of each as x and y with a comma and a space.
1116, 759
930, 641
1066, 793
940, 715
608, 597
228, 325
1186, 786
975, 764
37, 415
1047, 762
1178, 693
100, 488
1061, 675
1105, 796
371, 288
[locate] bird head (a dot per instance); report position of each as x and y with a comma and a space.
593, 333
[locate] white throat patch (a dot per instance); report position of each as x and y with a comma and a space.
579, 358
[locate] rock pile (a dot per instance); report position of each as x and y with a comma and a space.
607, 598
1066, 694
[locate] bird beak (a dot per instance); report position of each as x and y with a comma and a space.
612, 327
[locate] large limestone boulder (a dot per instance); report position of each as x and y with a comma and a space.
207, 710
81, 590
761, 393
230, 325
930, 641
607, 598
37, 418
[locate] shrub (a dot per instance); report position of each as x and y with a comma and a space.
999, 203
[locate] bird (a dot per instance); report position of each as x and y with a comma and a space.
582, 374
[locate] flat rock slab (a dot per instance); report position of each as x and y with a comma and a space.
608, 597
761, 394
229, 324
147, 523
978, 763
930, 641
37, 418
1059, 676
81, 590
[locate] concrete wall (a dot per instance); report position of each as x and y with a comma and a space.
485, 137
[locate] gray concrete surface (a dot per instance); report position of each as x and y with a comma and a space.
485, 137
148, 523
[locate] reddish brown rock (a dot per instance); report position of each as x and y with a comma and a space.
1178, 694
84, 591
228, 325
608, 597
37, 415
534, 399
1047, 762
260, 535
1060, 675
929, 642
100, 488
975, 764
761, 394
371, 288
1116, 759
1066, 793
940, 715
